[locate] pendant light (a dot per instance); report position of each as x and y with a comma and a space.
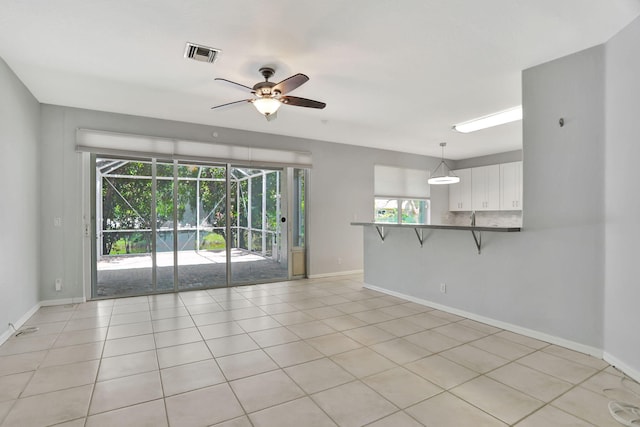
444, 176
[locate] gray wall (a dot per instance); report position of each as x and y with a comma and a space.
548, 278
622, 269
340, 189
20, 194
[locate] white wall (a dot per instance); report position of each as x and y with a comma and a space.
340, 189
550, 277
622, 269
20, 235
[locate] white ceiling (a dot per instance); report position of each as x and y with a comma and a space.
394, 74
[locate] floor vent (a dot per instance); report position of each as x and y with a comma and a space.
201, 53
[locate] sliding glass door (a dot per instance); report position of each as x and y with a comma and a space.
201, 226
258, 233
124, 216
162, 248
166, 225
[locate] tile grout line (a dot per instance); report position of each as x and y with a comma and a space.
356, 379
155, 351
297, 385
534, 350
221, 371
93, 389
573, 387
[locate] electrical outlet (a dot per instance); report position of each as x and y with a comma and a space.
57, 222
443, 288
58, 285
339, 261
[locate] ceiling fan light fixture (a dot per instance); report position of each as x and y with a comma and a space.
495, 119
267, 106
443, 173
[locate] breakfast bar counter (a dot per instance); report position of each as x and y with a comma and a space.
476, 231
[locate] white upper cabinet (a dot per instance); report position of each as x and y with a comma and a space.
485, 188
488, 188
511, 186
460, 193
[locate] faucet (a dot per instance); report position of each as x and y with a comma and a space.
473, 218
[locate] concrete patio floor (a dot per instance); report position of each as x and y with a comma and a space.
125, 275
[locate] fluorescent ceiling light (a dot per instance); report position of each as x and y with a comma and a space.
500, 118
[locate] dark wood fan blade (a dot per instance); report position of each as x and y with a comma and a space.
234, 83
291, 83
231, 103
302, 102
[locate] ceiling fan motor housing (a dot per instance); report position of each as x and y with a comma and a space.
264, 88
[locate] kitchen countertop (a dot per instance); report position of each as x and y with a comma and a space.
440, 227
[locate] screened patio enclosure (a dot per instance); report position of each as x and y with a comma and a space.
163, 226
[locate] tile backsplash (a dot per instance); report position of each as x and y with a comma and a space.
485, 218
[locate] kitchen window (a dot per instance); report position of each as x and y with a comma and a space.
402, 211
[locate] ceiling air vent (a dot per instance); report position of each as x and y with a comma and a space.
201, 53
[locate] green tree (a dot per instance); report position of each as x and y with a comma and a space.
127, 201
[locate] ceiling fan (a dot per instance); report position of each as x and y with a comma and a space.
270, 96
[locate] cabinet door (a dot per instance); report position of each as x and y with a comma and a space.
493, 188
454, 196
511, 186
485, 188
460, 193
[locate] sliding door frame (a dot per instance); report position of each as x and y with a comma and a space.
285, 209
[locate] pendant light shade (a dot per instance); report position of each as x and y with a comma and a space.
443, 173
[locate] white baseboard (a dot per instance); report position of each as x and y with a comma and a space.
18, 323
61, 301
23, 319
592, 351
335, 274
5, 336
628, 370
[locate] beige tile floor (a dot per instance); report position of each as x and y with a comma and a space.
304, 353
